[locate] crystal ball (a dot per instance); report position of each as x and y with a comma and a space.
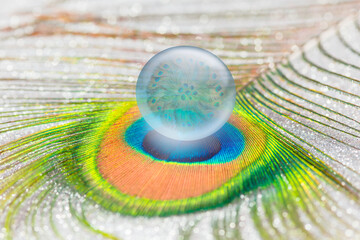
185, 93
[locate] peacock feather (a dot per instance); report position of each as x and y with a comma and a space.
72, 163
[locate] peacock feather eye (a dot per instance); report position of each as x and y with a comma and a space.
177, 184
185, 93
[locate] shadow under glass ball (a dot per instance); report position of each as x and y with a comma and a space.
171, 150
185, 93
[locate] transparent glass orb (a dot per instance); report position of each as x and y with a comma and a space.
185, 93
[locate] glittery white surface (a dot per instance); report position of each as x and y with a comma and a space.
86, 50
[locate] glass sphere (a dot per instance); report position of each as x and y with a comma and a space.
185, 93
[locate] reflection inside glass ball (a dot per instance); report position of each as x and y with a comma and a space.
185, 93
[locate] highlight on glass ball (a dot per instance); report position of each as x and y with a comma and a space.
185, 93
